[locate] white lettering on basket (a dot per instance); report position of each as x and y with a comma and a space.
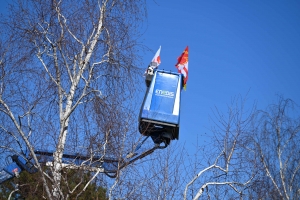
164, 93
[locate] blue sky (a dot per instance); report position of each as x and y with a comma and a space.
235, 47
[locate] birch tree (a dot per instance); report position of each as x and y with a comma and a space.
230, 163
164, 179
277, 144
68, 71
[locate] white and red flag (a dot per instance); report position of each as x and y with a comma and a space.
156, 58
182, 65
155, 62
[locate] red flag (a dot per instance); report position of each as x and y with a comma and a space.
182, 65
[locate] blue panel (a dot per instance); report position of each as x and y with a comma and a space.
12, 169
22, 160
162, 102
164, 93
4, 176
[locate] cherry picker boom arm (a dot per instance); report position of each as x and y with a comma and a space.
109, 166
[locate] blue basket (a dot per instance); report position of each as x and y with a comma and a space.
160, 111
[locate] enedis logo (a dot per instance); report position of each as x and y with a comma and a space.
164, 93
